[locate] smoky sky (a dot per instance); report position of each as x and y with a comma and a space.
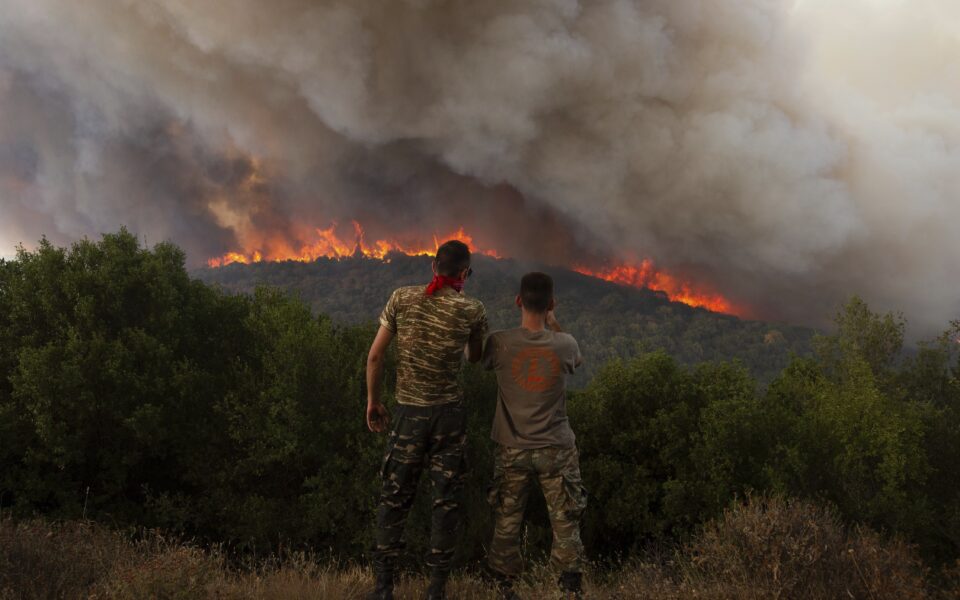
789, 154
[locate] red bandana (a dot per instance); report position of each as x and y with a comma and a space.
440, 281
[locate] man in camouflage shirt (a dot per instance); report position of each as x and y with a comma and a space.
435, 325
534, 439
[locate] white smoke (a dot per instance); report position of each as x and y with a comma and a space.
790, 153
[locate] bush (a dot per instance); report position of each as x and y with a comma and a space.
131, 394
158, 569
39, 560
776, 548
664, 447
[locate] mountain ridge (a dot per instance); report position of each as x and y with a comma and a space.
610, 320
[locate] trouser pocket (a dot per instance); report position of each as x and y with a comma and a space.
576, 497
387, 453
502, 459
392, 438
575, 493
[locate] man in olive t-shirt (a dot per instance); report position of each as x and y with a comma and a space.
533, 436
435, 325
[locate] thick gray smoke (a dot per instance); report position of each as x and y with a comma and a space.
788, 153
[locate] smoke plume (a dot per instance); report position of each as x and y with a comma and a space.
787, 153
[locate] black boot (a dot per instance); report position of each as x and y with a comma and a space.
571, 584
383, 589
437, 590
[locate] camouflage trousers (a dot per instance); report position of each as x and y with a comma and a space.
558, 471
431, 436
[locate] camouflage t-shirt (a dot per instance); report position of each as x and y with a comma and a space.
431, 334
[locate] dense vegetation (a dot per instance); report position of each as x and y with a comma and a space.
609, 320
133, 394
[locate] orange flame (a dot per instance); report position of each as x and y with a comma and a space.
326, 243
678, 290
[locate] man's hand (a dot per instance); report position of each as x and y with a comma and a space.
552, 322
377, 417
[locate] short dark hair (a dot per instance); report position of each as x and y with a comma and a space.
452, 257
536, 291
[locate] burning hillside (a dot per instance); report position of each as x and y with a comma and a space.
331, 243
646, 275
747, 147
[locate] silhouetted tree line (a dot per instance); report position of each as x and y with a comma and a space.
135, 395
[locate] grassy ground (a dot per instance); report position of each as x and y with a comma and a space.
766, 548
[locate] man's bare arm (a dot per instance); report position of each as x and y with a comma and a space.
552, 322
554, 325
474, 347
377, 415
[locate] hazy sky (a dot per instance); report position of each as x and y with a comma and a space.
788, 153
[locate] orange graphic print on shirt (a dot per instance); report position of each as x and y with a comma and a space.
535, 369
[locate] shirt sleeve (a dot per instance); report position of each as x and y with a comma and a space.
480, 328
388, 318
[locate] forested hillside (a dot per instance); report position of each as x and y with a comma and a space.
132, 394
610, 320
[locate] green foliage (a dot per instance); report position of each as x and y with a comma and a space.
873, 339
610, 321
137, 394
133, 394
665, 447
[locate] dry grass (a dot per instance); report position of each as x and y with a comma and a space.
767, 548
771, 548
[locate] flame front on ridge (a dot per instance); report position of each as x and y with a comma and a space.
678, 290
328, 244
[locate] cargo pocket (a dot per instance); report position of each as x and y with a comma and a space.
574, 491
392, 439
391, 444
495, 489
576, 497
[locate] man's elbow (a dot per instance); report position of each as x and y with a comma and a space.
374, 359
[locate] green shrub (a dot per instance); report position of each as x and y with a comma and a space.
134, 395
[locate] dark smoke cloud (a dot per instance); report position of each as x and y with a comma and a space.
789, 153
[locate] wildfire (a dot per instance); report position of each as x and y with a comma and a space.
678, 290
328, 243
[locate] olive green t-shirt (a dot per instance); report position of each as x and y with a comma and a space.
432, 332
531, 369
